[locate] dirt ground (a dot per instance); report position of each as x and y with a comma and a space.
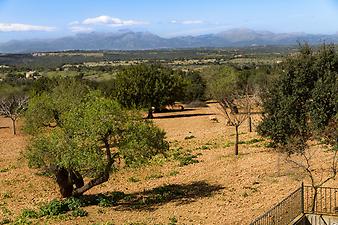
221, 188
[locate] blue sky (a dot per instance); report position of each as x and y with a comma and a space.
21, 19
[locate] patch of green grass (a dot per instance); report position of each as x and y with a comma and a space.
57, 207
22, 221
172, 221
203, 147
5, 211
187, 160
4, 170
240, 133
106, 202
173, 173
53, 208
253, 141
133, 179
154, 176
6, 195
269, 145
228, 144
28, 213
5, 221
104, 223
79, 213
175, 153
135, 223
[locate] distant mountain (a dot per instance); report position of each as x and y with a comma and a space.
129, 40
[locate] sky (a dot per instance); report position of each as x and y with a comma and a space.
30, 19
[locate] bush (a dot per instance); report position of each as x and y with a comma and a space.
28, 213
53, 208
79, 213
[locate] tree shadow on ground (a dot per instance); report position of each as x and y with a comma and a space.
174, 110
4, 127
150, 200
184, 115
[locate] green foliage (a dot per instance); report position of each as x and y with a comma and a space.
86, 127
79, 213
173, 173
5, 221
193, 86
141, 141
146, 86
187, 159
105, 202
133, 179
253, 141
47, 106
4, 170
54, 208
154, 176
173, 220
28, 213
223, 83
304, 100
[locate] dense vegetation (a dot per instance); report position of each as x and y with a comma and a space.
303, 103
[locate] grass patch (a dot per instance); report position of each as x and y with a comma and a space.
173, 173
228, 144
5, 221
253, 141
172, 221
133, 179
6, 195
240, 133
154, 176
184, 158
4, 170
55, 208
187, 159
203, 147
269, 145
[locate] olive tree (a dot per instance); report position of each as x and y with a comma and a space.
302, 105
88, 138
147, 86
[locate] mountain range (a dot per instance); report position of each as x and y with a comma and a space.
129, 40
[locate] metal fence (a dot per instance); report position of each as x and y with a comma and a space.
285, 212
299, 202
326, 200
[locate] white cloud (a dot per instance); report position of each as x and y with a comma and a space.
11, 27
107, 20
187, 22
74, 23
80, 29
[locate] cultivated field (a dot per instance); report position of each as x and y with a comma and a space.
219, 189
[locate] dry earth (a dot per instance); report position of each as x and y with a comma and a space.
220, 189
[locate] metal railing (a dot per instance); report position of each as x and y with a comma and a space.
284, 212
326, 200
301, 202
